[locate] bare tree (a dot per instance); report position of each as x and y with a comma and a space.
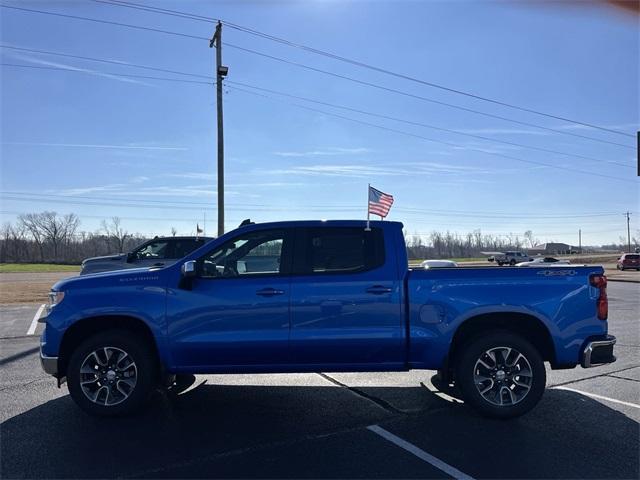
48, 227
174, 231
31, 223
114, 230
528, 235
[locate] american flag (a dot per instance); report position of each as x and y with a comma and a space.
379, 202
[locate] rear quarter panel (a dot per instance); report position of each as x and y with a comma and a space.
441, 300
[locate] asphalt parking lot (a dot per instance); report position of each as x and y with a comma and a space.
324, 425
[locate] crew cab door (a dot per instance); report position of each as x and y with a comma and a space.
236, 312
345, 300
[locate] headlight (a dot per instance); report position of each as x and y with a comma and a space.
55, 298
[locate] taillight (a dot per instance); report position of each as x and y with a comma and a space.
602, 303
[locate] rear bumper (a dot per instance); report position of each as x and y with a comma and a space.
598, 351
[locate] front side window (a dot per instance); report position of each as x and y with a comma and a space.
343, 250
254, 253
155, 250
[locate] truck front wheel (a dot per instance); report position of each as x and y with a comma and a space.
112, 373
500, 374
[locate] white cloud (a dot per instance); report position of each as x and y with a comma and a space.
65, 66
139, 179
191, 175
502, 131
84, 190
94, 145
399, 169
630, 127
329, 151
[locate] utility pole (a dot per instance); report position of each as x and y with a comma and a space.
628, 233
580, 240
221, 72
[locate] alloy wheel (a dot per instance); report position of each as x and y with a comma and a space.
108, 376
503, 376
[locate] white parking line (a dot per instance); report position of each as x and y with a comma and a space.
34, 322
421, 454
599, 397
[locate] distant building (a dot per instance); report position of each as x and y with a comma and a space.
551, 249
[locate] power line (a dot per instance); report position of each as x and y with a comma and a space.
390, 129
108, 217
401, 132
419, 97
162, 205
93, 72
434, 127
307, 67
447, 212
358, 63
103, 60
106, 22
342, 107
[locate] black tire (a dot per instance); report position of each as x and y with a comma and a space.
473, 352
500, 264
512, 262
143, 363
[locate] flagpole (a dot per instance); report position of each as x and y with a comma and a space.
368, 214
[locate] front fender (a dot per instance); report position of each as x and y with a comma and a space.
143, 302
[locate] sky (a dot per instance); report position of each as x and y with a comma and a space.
86, 140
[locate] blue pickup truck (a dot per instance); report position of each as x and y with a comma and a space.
310, 296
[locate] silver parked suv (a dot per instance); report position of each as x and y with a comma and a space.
511, 258
159, 252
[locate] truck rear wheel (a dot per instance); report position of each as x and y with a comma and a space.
112, 373
500, 374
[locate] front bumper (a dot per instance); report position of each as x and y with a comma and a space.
49, 364
598, 352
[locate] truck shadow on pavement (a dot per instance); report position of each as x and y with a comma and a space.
262, 431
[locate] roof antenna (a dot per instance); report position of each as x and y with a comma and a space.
246, 221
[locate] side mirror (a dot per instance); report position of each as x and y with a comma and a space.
130, 257
188, 269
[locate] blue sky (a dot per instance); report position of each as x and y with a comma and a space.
145, 150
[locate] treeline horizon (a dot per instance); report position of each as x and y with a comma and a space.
48, 237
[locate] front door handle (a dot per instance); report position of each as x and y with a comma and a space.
269, 292
379, 290
158, 264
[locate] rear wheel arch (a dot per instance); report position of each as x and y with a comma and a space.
528, 326
85, 328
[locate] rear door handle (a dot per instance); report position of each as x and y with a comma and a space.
379, 290
269, 292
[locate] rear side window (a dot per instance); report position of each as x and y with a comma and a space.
183, 247
632, 257
341, 250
